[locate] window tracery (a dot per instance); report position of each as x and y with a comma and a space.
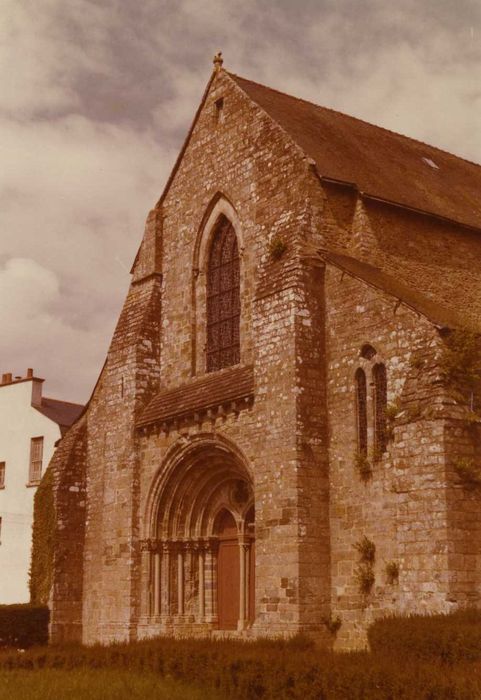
223, 299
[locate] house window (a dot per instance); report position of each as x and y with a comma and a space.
223, 299
380, 405
36, 455
2, 475
361, 411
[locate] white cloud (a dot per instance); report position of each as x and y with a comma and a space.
34, 335
97, 96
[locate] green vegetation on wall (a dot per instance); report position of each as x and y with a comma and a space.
41, 569
461, 360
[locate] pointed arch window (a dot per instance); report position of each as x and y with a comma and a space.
380, 405
223, 298
361, 411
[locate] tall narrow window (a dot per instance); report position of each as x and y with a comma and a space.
361, 411
2, 475
223, 299
380, 405
36, 456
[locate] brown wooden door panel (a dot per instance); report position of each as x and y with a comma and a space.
228, 584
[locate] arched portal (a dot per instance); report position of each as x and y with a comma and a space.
199, 558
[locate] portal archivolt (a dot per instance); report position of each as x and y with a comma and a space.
199, 559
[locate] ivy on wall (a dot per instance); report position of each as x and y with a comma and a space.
461, 360
41, 568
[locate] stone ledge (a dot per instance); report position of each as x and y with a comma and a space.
228, 390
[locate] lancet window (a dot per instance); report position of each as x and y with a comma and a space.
361, 411
380, 405
223, 299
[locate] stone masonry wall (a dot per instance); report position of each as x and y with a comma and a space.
261, 173
111, 542
402, 506
69, 466
302, 327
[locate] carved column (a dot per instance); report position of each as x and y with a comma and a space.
180, 579
201, 561
244, 584
212, 550
157, 587
147, 576
165, 586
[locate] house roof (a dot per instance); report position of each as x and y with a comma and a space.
63, 413
382, 164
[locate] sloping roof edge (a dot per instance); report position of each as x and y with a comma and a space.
376, 278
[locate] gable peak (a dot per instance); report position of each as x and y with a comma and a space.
218, 61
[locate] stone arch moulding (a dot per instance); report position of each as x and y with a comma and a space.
219, 206
194, 574
182, 451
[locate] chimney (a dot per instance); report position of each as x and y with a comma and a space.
29, 373
7, 378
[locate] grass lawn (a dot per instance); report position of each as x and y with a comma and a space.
86, 684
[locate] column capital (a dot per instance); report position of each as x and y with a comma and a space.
148, 545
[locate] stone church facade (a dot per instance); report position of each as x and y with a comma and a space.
272, 444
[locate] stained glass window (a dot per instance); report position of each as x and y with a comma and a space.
223, 299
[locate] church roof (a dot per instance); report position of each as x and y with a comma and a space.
382, 164
440, 314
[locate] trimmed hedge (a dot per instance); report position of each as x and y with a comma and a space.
265, 670
448, 639
23, 626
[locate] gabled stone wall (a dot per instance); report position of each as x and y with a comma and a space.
292, 439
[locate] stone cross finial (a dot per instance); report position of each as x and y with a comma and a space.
218, 61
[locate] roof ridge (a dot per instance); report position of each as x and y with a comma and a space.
358, 119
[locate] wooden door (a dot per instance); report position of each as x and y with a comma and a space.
228, 574
228, 584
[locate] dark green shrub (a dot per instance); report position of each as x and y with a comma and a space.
23, 626
266, 670
448, 639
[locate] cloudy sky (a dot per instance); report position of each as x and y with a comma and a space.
97, 95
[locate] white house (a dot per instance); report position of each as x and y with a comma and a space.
30, 425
